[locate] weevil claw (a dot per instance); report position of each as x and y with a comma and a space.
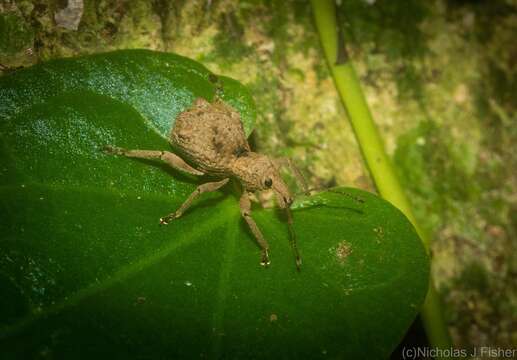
265, 259
112, 150
298, 263
167, 219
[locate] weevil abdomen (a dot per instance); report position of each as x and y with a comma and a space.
209, 136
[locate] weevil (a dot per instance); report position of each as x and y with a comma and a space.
209, 139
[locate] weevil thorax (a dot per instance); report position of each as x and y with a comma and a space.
257, 172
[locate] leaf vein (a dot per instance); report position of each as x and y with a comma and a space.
119, 276
223, 288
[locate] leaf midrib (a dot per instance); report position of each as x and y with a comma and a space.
223, 288
122, 274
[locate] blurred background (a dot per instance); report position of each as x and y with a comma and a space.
440, 79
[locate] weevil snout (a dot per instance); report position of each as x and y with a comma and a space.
282, 193
284, 201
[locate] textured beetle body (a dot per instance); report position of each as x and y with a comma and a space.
210, 136
210, 139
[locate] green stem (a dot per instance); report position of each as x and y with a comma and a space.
372, 147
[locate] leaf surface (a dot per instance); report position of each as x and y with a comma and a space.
86, 271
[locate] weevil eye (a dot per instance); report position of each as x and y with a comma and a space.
268, 183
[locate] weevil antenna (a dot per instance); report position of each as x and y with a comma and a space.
309, 191
292, 238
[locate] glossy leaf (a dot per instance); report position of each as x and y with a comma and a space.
86, 271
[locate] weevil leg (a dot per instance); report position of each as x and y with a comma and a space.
172, 159
283, 161
245, 205
207, 187
292, 238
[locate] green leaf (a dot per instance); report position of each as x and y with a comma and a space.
86, 271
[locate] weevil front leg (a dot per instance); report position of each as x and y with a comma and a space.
245, 205
206, 187
171, 159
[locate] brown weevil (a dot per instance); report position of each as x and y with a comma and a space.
211, 138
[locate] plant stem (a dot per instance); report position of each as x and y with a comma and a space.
372, 147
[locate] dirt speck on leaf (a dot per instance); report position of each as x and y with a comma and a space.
379, 232
140, 300
342, 251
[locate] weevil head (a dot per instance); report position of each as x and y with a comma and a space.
257, 172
